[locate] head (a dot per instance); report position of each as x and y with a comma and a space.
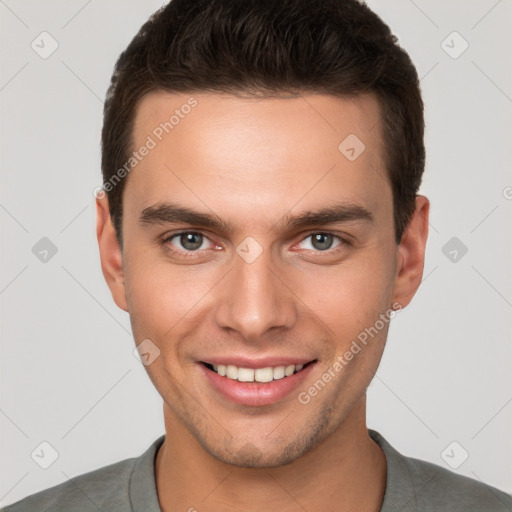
261, 162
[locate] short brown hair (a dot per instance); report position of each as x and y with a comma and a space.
269, 48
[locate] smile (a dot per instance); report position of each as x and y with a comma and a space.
265, 384
267, 374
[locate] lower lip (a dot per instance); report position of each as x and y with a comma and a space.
255, 393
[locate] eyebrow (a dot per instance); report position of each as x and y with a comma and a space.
173, 213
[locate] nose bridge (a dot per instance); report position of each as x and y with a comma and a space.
254, 299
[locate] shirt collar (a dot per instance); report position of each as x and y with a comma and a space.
400, 490
142, 486
401, 493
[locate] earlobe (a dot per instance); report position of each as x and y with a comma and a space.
411, 254
110, 253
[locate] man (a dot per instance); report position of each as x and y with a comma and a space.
261, 163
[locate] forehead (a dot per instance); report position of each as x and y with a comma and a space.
257, 155
311, 116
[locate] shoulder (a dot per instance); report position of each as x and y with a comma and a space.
425, 487
442, 489
88, 492
108, 488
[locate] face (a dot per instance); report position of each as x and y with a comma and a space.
258, 285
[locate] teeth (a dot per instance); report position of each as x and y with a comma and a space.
279, 372
289, 370
263, 374
231, 372
246, 374
267, 374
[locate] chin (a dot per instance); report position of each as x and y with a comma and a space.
250, 456
280, 452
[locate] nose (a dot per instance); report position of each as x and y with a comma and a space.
255, 298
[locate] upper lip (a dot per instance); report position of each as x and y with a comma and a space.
263, 362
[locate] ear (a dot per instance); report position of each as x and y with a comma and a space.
110, 252
411, 254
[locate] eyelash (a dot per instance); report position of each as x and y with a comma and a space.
194, 254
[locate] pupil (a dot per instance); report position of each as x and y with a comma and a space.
187, 240
321, 238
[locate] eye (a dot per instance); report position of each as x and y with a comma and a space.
322, 242
185, 242
191, 244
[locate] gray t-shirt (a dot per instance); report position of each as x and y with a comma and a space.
129, 486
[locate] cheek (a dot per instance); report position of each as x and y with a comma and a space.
351, 296
161, 295
164, 298
151, 294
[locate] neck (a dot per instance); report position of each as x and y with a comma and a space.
346, 471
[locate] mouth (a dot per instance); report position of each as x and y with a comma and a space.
263, 384
261, 375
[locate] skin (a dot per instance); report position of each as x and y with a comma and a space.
252, 162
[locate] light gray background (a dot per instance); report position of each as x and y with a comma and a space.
69, 376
